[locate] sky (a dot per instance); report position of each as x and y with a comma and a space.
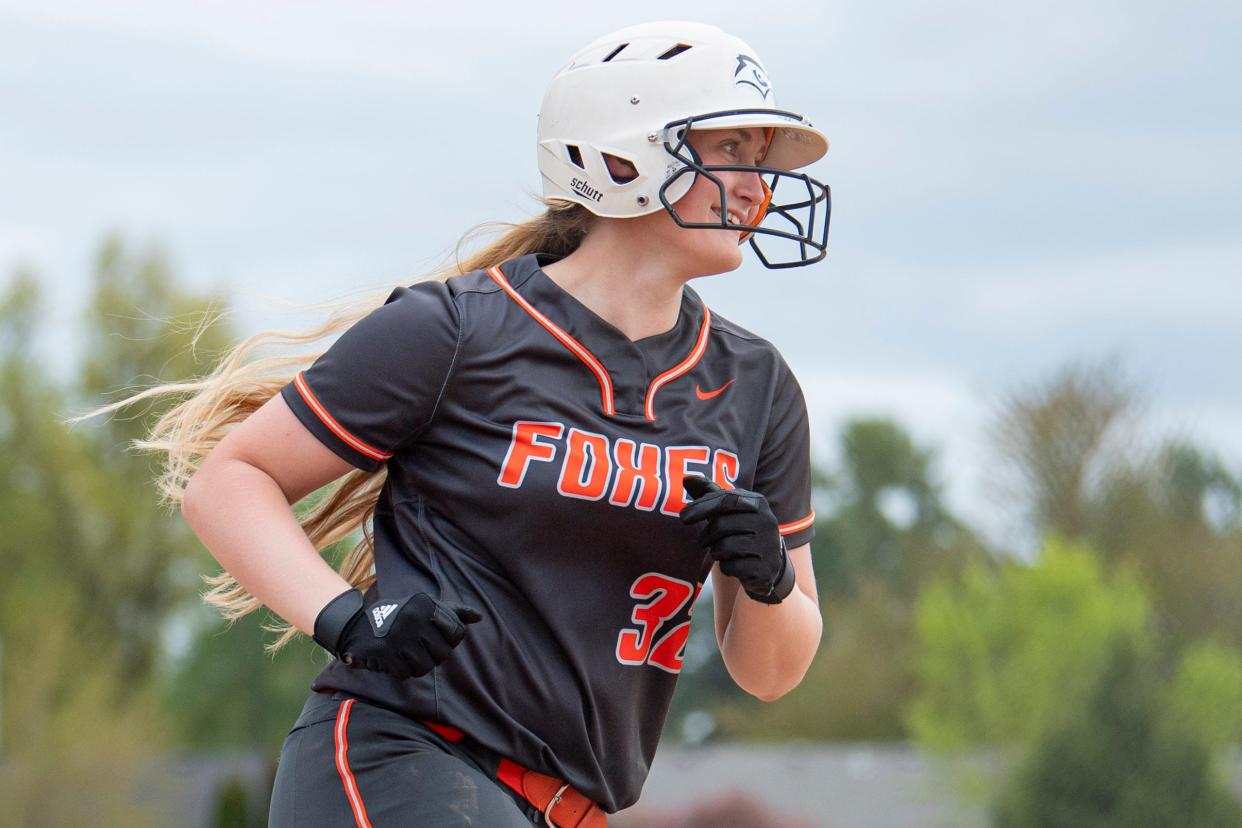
1015, 184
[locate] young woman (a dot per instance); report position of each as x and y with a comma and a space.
556, 442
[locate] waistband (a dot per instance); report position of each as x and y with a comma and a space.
562, 806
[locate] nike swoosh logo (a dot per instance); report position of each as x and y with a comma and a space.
707, 395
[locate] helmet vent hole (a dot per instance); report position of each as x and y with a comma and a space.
575, 155
620, 170
674, 52
615, 52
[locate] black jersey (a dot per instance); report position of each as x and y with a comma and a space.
535, 458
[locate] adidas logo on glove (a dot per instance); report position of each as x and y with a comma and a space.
380, 614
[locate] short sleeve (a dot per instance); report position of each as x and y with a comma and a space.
380, 382
783, 475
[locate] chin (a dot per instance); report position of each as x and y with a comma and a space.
717, 257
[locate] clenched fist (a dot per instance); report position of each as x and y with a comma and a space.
403, 638
740, 532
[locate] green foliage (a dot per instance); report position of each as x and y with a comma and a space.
75, 745
1053, 439
1174, 517
998, 654
235, 807
75, 494
229, 693
857, 685
1118, 760
142, 329
1206, 696
889, 522
231, 805
92, 566
1078, 469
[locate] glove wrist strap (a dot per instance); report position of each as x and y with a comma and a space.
785, 581
333, 618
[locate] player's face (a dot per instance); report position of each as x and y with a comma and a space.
717, 251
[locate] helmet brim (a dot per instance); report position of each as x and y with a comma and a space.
794, 144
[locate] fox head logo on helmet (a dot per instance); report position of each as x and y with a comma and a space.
750, 73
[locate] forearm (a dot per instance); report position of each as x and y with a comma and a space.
241, 515
767, 648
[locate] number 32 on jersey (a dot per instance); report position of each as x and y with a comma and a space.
651, 642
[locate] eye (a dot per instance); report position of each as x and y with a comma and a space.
730, 147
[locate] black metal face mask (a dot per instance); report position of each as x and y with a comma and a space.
793, 220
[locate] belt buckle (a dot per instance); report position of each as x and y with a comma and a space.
556, 797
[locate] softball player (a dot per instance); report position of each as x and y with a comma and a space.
572, 441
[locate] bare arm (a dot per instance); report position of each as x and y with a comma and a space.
239, 504
767, 648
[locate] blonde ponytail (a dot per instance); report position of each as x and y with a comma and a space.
240, 384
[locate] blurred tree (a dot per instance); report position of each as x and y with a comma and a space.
145, 329
1175, 517
1205, 699
95, 571
75, 731
999, 655
1052, 439
1074, 464
227, 692
137, 560
888, 522
232, 809
857, 686
1119, 760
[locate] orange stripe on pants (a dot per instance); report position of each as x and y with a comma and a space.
342, 766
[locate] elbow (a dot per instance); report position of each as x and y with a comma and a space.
763, 685
769, 695
197, 489
189, 495
772, 692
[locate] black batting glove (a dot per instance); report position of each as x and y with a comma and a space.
403, 638
741, 533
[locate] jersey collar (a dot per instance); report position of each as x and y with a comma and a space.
630, 373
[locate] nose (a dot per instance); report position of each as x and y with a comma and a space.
748, 188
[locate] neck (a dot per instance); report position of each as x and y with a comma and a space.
635, 287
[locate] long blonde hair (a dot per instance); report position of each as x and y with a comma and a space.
239, 385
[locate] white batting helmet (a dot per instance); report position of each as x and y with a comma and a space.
635, 94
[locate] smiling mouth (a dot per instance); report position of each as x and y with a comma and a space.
733, 218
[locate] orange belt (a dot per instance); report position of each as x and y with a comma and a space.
562, 806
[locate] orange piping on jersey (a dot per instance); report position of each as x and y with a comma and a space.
342, 766
588, 359
680, 368
335, 427
797, 525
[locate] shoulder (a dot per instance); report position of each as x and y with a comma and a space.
439, 299
476, 282
729, 328
734, 342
